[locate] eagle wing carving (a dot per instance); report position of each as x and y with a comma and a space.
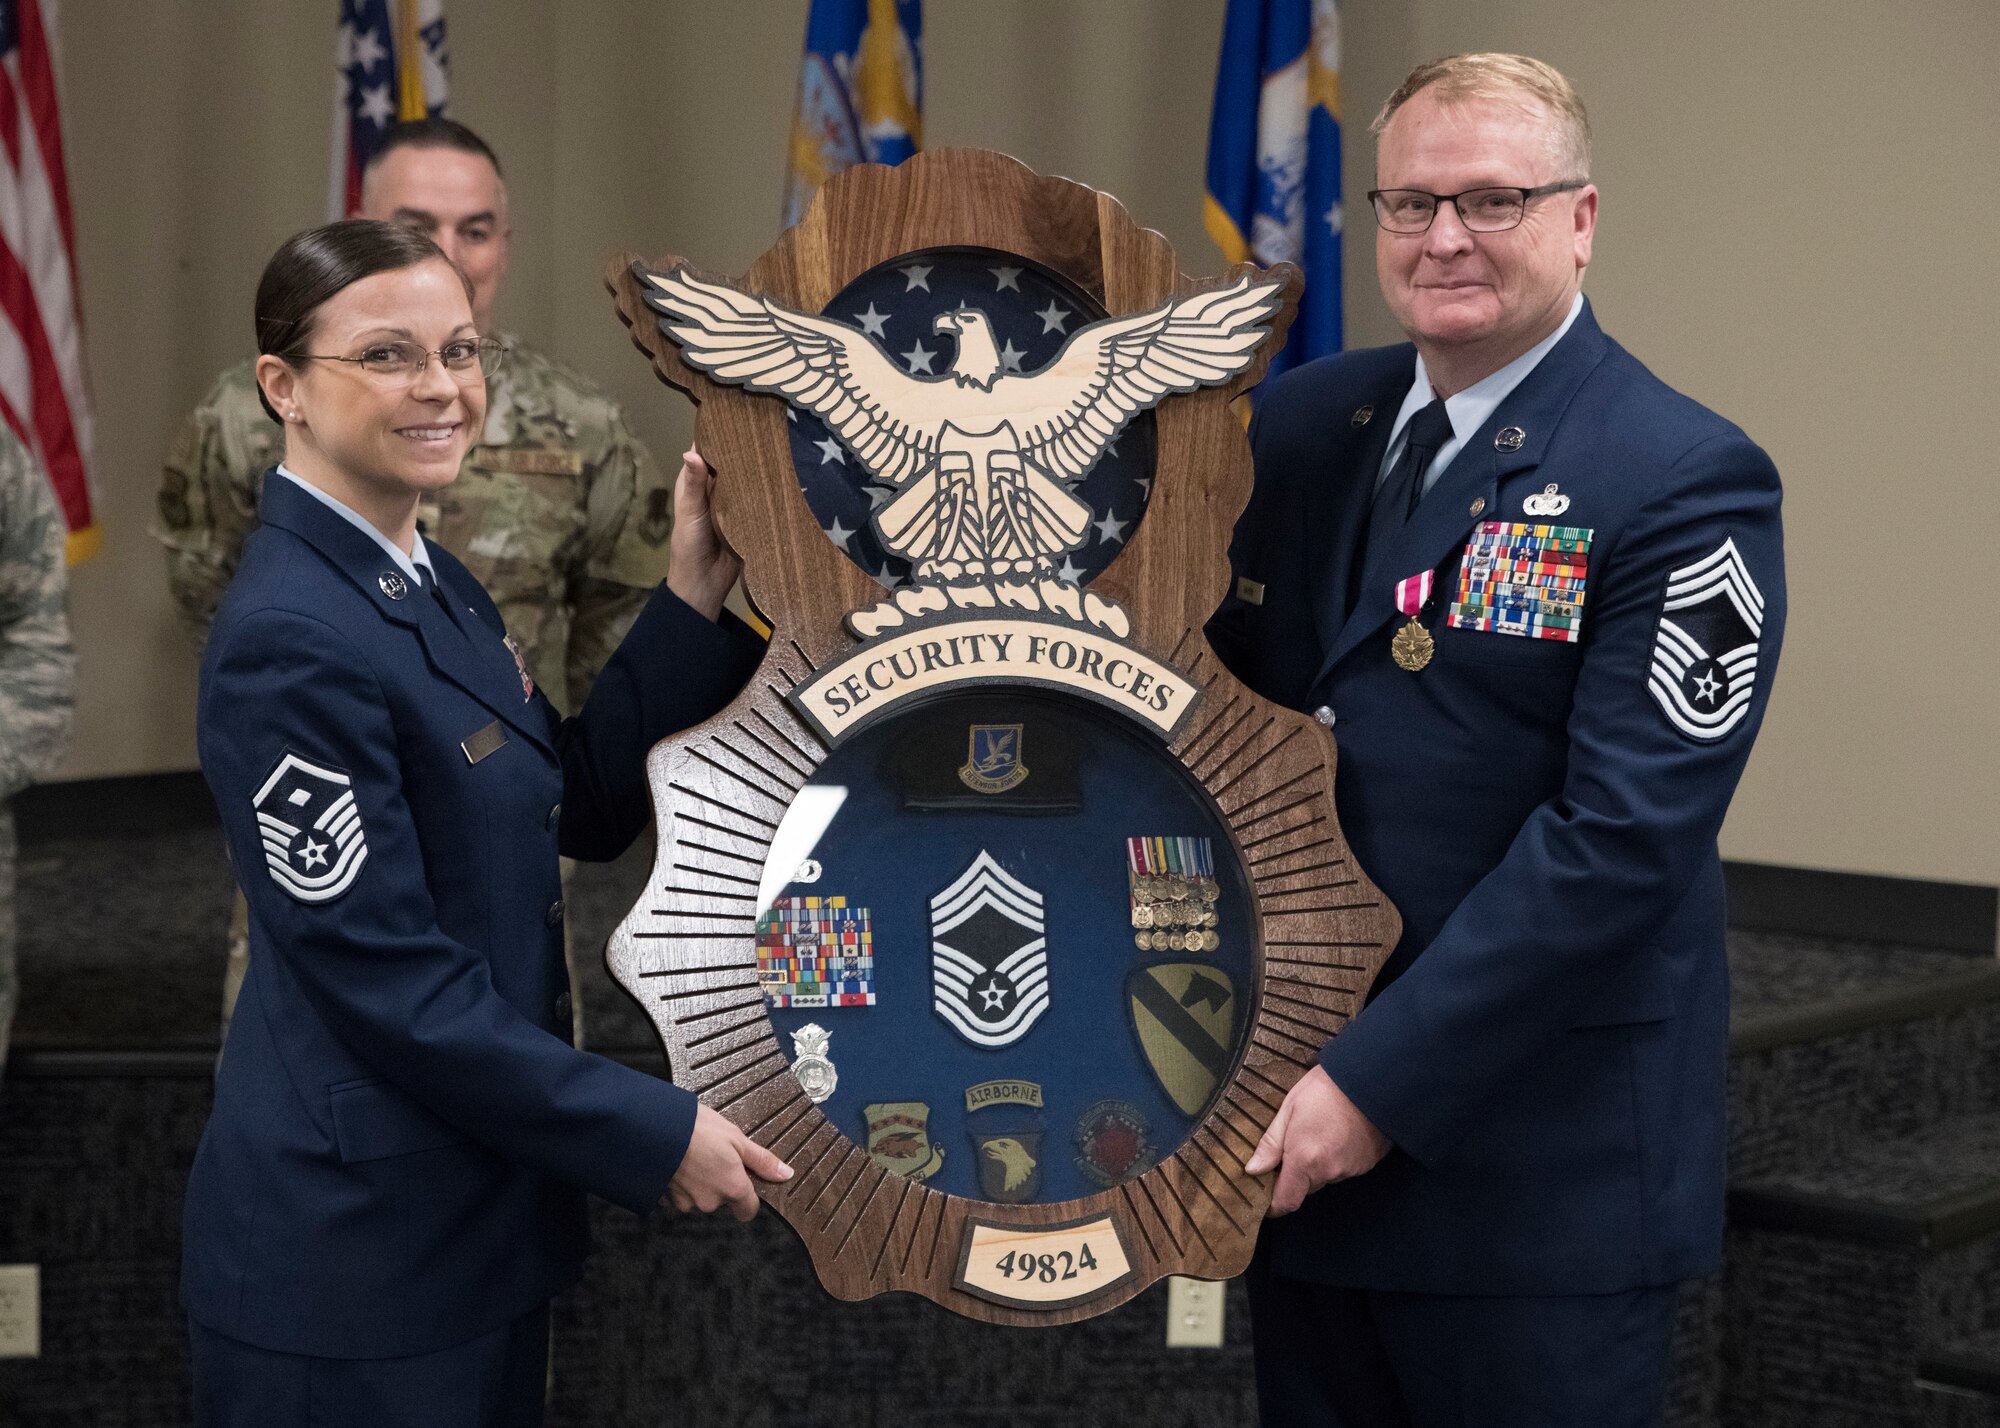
1111, 371
823, 366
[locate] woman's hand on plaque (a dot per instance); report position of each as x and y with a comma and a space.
717, 1168
704, 567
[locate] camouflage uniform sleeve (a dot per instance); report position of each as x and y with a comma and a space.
37, 661
628, 519
208, 495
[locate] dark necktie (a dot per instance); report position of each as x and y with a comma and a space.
427, 578
1397, 497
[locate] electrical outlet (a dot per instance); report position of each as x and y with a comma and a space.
20, 1311
1194, 1313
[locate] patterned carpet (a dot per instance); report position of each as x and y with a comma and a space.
677, 1321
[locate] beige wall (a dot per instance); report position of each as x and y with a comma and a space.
1793, 232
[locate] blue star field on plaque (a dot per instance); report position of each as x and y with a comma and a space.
1033, 312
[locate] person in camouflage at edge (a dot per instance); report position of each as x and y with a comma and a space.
558, 510
37, 665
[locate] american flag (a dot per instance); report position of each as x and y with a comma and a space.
43, 395
389, 64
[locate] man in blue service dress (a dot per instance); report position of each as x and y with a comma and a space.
1537, 597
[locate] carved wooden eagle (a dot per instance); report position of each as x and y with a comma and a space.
981, 457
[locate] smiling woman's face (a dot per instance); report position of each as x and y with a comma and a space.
392, 436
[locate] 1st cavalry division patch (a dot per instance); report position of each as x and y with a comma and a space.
313, 841
1184, 1013
1705, 649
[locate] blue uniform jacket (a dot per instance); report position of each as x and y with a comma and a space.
402, 1132
1546, 1047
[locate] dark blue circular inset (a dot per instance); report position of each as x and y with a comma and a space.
961, 879
1034, 311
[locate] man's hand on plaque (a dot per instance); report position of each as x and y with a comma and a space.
1317, 1137
718, 1165
703, 567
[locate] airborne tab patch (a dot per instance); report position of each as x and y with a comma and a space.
311, 829
1705, 649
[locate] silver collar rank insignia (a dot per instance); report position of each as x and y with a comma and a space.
311, 829
1705, 649
989, 960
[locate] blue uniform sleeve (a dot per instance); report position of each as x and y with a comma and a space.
1596, 869
415, 1004
674, 668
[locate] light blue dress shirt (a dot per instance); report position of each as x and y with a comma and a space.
417, 559
1467, 410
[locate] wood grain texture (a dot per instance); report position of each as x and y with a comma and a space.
687, 951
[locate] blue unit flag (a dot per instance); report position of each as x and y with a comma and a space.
1274, 156
861, 93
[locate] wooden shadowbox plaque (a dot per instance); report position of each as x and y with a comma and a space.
993, 904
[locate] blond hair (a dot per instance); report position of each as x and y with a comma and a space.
1505, 79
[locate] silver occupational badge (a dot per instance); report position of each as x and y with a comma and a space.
311, 829
817, 1078
1550, 502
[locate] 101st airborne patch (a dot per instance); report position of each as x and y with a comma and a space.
1004, 1120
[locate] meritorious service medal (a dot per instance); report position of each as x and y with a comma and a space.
1413, 646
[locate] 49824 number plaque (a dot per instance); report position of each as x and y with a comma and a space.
994, 904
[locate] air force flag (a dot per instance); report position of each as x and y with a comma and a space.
861, 93
1274, 156
313, 841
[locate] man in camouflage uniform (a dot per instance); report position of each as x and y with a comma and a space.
559, 511
37, 665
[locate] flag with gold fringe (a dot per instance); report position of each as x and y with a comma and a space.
1274, 156
861, 93
389, 64
44, 393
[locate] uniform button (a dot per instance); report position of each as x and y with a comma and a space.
554, 918
1325, 715
562, 1008
555, 817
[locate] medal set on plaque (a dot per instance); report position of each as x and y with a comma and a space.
1173, 894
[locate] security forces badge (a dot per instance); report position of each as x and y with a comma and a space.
989, 960
993, 758
314, 844
1705, 646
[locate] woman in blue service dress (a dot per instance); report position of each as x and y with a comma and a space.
391, 1185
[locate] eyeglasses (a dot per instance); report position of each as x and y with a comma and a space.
1481, 210
405, 361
